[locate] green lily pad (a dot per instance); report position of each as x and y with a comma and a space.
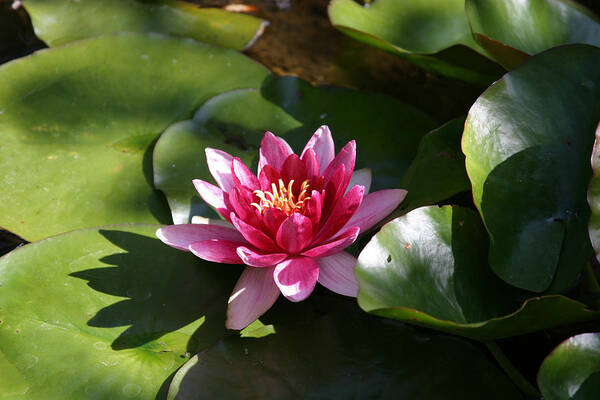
572, 370
433, 34
112, 308
62, 21
343, 354
438, 171
429, 268
78, 122
511, 30
527, 143
387, 133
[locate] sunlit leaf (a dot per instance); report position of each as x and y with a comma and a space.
112, 309
62, 21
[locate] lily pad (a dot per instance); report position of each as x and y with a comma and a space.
511, 30
387, 133
78, 122
438, 171
527, 142
433, 34
429, 268
62, 21
343, 354
111, 308
572, 370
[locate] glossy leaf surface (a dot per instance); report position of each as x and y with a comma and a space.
293, 109
510, 30
342, 354
77, 123
433, 34
438, 171
429, 268
572, 370
62, 21
112, 309
527, 142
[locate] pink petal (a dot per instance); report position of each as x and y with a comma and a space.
254, 293
375, 207
256, 237
213, 195
321, 143
361, 177
333, 190
266, 176
336, 273
215, 250
272, 219
342, 212
240, 199
243, 176
181, 236
287, 146
219, 164
273, 152
347, 158
313, 209
295, 233
311, 164
255, 259
293, 168
334, 246
296, 277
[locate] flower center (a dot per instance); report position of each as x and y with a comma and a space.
282, 198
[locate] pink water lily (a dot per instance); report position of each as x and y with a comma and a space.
289, 225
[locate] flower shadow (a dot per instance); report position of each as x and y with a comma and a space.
165, 290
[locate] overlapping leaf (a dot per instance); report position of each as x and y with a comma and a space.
438, 171
62, 21
429, 268
511, 30
77, 122
572, 370
387, 133
342, 354
527, 142
433, 34
112, 309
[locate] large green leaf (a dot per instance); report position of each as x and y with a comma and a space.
429, 268
112, 309
63, 21
77, 123
510, 30
572, 370
387, 133
343, 354
433, 34
438, 171
527, 143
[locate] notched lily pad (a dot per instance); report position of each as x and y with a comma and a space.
527, 143
63, 21
112, 308
429, 267
78, 121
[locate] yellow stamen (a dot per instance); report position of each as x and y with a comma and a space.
282, 197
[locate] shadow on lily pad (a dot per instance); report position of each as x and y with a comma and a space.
160, 296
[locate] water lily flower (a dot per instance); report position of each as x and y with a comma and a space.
289, 225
